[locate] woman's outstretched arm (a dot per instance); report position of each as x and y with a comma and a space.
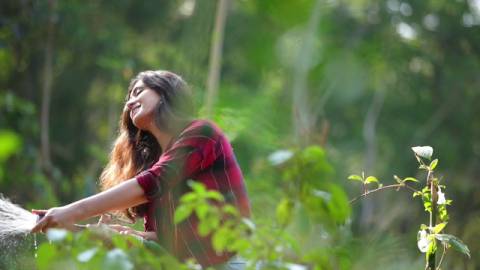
122, 196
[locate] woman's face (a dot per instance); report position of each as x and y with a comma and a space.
142, 105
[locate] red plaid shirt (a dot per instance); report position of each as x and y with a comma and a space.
201, 152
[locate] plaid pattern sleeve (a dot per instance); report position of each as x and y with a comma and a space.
202, 153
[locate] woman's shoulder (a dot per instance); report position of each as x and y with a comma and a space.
202, 127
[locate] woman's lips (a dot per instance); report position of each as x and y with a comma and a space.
134, 111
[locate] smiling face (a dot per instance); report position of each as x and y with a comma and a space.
142, 105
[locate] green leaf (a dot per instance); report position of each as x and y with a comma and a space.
215, 195
417, 193
423, 151
182, 212
240, 245
284, 211
355, 177
397, 179
205, 227
199, 188
202, 210
371, 179
432, 247
410, 179
10, 143
433, 164
220, 239
456, 243
439, 227
189, 197
230, 209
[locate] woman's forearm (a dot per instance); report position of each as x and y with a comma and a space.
122, 196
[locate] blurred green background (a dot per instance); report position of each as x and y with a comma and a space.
365, 80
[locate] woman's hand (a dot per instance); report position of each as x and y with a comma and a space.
57, 217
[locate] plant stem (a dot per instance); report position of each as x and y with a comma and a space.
381, 188
443, 255
433, 215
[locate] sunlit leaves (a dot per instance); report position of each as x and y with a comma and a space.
355, 177
10, 142
433, 164
410, 179
284, 211
197, 202
371, 179
434, 202
365, 180
93, 249
439, 227
181, 213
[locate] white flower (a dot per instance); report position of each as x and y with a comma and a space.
422, 241
441, 197
423, 151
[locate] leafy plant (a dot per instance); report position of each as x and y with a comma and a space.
311, 200
434, 202
100, 248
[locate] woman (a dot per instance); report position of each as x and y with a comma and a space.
158, 149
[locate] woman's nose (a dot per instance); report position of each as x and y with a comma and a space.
130, 103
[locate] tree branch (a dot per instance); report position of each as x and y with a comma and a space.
398, 186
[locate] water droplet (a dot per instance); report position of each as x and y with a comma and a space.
35, 246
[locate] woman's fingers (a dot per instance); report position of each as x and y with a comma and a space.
39, 212
41, 225
119, 228
105, 218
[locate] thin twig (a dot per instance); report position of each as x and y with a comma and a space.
443, 255
382, 188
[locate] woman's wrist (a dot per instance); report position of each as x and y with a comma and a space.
77, 211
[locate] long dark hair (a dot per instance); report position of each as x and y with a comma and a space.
135, 150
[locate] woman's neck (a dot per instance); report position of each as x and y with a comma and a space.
163, 138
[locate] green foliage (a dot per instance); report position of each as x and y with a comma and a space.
316, 201
453, 241
434, 203
100, 248
10, 143
359, 65
365, 180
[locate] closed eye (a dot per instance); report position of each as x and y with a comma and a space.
137, 91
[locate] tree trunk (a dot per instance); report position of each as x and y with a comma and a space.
303, 118
47, 91
216, 56
370, 137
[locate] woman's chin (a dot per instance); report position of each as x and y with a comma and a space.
140, 123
